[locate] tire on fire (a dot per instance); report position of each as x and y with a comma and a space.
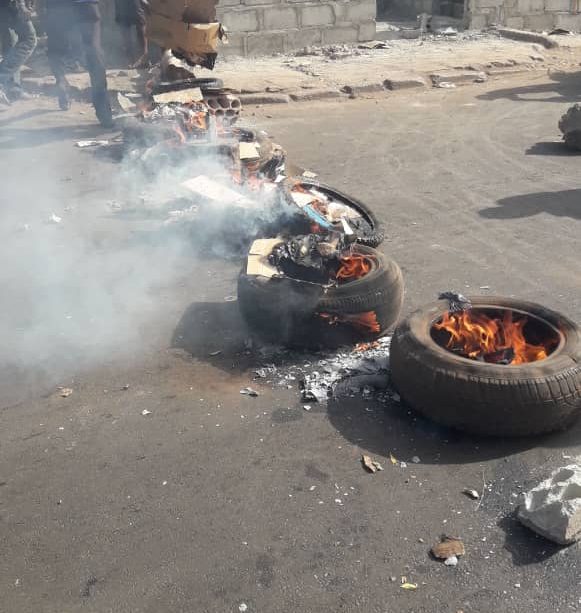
292, 312
486, 398
371, 233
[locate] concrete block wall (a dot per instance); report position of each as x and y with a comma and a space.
262, 27
535, 15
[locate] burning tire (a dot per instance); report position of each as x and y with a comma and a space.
361, 218
486, 394
297, 313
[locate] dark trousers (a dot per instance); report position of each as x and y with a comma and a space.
63, 19
14, 19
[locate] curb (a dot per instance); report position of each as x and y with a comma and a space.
528, 37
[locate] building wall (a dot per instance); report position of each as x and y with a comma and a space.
536, 15
260, 27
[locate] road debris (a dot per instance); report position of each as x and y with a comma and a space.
471, 494
370, 465
145, 412
447, 547
215, 353
82, 144
393, 459
242, 607
248, 391
553, 508
65, 392
451, 561
409, 586
54, 219
446, 85
416, 459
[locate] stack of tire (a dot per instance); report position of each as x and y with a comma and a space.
288, 311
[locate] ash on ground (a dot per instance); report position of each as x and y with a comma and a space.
362, 370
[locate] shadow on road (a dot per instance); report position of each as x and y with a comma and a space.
552, 148
524, 545
566, 203
23, 138
565, 87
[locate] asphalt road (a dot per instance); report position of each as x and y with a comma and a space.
213, 501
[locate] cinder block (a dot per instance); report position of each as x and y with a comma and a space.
539, 23
563, 6
280, 18
569, 22
518, 23
366, 31
344, 34
317, 15
305, 37
265, 43
236, 45
359, 10
477, 22
245, 20
528, 7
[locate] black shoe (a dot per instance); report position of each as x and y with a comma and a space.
64, 102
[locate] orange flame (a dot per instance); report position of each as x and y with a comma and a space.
476, 335
366, 321
353, 267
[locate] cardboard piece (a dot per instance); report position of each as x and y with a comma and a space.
203, 186
249, 151
190, 11
257, 262
195, 38
194, 94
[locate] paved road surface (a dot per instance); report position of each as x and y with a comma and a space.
215, 499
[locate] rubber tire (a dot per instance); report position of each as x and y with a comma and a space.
381, 289
283, 310
374, 237
276, 310
490, 399
175, 86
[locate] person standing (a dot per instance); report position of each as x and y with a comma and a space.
16, 20
61, 18
129, 14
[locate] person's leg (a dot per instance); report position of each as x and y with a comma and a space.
89, 20
18, 19
57, 25
140, 26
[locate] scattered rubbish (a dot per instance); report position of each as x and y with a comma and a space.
392, 459
125, 387
451, 561
54, 218
374, 44
416, 459
560, 32
230, 299
449, 31
242, 607
215, 353
307, 407
553, 508
409, 586
125, 103
91, 143
370, 465
485, 287
471, 494
145, 412
347, 373
403, 465
457, 302
65, 392
447, 547
446, 85
307, 174
248, 391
